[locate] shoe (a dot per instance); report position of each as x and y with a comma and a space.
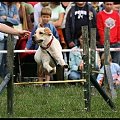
46, 85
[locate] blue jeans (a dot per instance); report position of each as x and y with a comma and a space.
3, 62
74, 75
3, 59
1, 48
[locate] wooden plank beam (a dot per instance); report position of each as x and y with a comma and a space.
58, 81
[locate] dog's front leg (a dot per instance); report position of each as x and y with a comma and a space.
46, 61
59, 58
37, 56
48, 67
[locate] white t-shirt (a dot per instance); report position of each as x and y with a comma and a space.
56, 11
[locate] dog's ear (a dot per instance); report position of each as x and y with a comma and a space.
40, 25
47, 31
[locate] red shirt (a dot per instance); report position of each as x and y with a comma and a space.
111, 20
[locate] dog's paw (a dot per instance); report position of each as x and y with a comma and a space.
64, 66
51, 71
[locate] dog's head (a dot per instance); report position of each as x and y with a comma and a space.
42, 35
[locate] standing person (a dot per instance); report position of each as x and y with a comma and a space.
25, 11
66, 6
79, 15
57, 20
26, 14
9, 30
45, 18
110, 18
9, 16
115, 70
37, 11
96, 6
116, 6
32, 3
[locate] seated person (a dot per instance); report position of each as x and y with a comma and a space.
115, 70
76, 62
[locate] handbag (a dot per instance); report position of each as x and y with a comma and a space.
21, 44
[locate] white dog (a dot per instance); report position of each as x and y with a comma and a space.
47, 42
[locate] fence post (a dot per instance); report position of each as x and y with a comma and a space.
86, 71
93, 53
10, 57
93, 77
93, 48
108, 75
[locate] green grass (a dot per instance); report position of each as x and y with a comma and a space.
58, 101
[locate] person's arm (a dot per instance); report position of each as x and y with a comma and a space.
9, 30
72, 62
61, 13
37, 9
58, 23
29, 42
13, 20
100, 76
100, 27
118, 28
69, 29
74, 59
54, 31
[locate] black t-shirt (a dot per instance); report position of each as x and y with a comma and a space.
81, 18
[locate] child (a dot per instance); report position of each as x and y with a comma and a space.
76, 61
44, 22
57, 17
45, 18
115, 70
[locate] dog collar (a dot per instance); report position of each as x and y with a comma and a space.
48, 45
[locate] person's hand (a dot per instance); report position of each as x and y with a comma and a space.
24, 33
26, 48
15, 16
4, 17
81, 66
100, 82
117, 82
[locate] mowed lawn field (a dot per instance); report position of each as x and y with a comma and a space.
58, 101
